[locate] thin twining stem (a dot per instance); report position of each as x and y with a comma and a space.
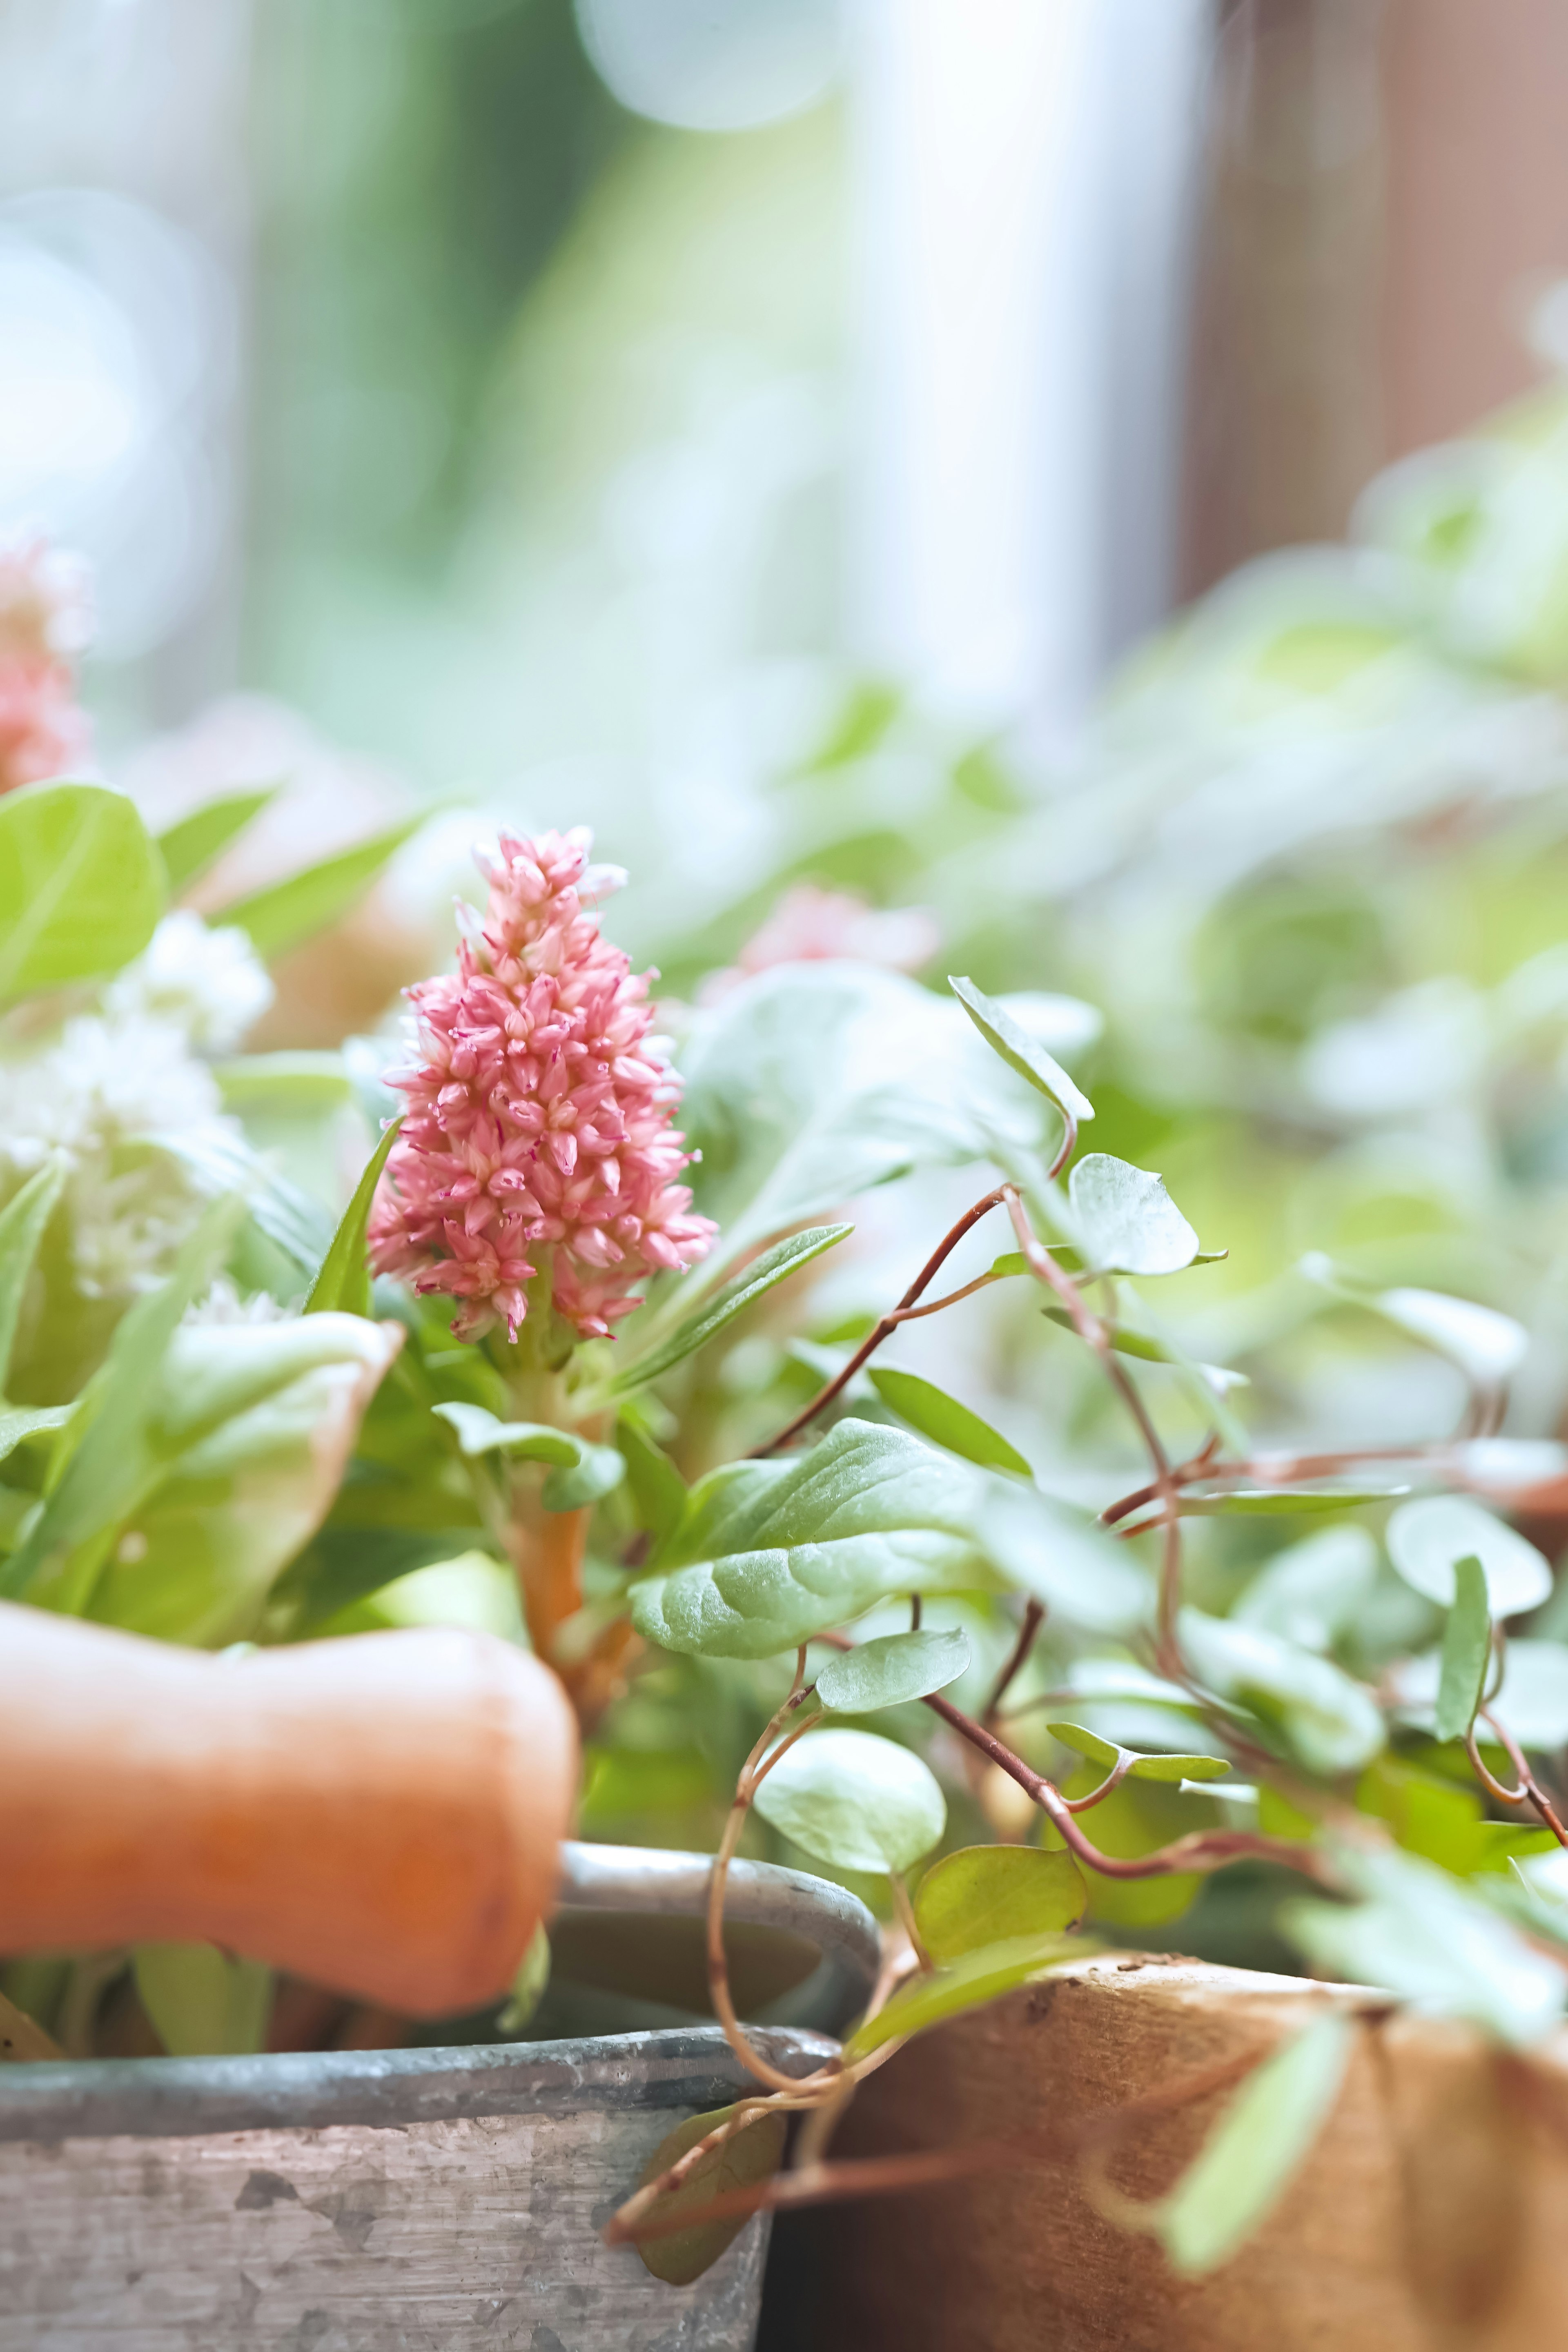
1034, 1618
1093, 1332
885, 1328
1528, 1790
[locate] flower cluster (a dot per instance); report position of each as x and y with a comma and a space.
44, 621
539, 1113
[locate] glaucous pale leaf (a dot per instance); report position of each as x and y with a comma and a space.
1427, 1940
478, 1431
252, 1428
1330, 1723
1125, 1219
1467, 1649
988, 1895
22, 1224
189, 847
1020, 1051
945, 1421
744, 1290
769, 1553
1062, 1557
1427, 1539
596, 1472
1107, 1755
1312, 1592
278, 917
81, 886
1532, 1701
1253, 2153
892, 1670
979, 1976
854, 1801
201, 2004
748, 2156
343, 1279
1487, 1346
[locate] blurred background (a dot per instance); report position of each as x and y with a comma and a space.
1071, 490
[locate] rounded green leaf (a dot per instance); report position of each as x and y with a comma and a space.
81, 885
1174, 1769
1426, 1539
1126, 1219
981, 1976
988, 1893
1329, 1722
942, 1418
896, 1668
854, 1801
1136, 1819
751, 2155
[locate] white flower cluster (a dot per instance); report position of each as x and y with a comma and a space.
104, 1089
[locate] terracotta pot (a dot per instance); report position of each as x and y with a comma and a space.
1432, 2216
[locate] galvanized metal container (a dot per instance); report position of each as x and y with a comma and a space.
403, 2201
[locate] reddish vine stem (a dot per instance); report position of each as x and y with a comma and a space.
1034, 1618
885, 1328
1529, 1790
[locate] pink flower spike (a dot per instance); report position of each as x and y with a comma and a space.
535, 1063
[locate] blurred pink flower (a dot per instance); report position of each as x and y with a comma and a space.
43, 621
808, 925
537, 1115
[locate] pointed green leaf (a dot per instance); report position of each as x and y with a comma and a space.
1427, 1539
769, 1553
995, 1893
189, 847
658, 1488
342, 1285
1125, 1219
1106, 1754
278, 917
1467, 1647
22, 1224
947, 1422
201, 2004
753, 1282
748, 2156
20, 1421
1013, 1041
979, 1976
1250, 2158
1274, 1502
854, 1801
81, 885
891, 1671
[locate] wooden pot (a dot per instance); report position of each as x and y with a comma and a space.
1431, 2217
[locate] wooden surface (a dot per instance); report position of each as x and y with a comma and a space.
1433, 2216
381, 1815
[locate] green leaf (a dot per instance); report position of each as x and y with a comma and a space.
748, 2156
528, 1986
753, 1282
478, 1431
1107, 1755
658, 1488
221, 1164
1467, 1647
299, 1082
892, 1670
279, 917
979, 1976
1126, 1220
1329, 1724
115, 1462
20, 1421
81, 886
1426, 1539
201, 2004
1261, 2140
996, 1893
1215, 1378
596, 1472
1276, 1502
1059, 1555
22, 1224
947, 1422
1073, 1261
1313, 1592
1486, 1347
342, 1285
769, 1553
248, 1435
1021, 1052
341, 1566
1427, 1939
854, 1801
1136, 1819
189, 847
